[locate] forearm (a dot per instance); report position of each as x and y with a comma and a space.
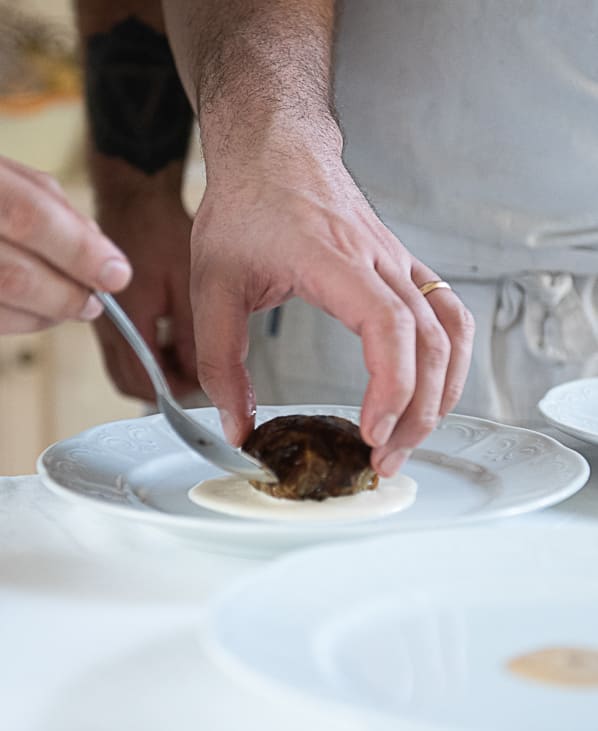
138, 116
258, 72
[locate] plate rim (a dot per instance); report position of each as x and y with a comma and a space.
564, 426
356, 529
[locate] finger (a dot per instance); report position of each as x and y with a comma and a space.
40, 178
459, 325
120, 367
13, 322
180, 383
182, 379
181, 376
131, 379
363, 302
174, 341
221, 353
183, 340
124, 367
49, 229
30, 285
433, 355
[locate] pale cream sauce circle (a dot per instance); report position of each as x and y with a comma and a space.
237, 497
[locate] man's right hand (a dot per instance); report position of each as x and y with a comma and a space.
51, 257
281, 216
292, 222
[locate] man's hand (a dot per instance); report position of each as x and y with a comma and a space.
282, 217
50, 256
156, 235
296, 224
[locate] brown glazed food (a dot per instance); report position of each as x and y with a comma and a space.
314, 457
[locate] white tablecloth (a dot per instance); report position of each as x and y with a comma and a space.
98, 621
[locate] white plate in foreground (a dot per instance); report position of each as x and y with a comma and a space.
573, 408
418, 631
467, 470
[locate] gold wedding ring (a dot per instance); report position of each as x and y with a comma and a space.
428, 287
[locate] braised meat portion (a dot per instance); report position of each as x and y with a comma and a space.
314, 457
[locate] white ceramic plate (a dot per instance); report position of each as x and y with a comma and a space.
417, 631
467, 470
573, 408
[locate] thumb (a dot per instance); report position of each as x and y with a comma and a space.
221, 344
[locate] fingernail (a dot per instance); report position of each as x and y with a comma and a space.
91, 309
391, 463
383, 429
229, 426
115, 274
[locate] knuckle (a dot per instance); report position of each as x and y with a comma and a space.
437, 355
401, 393
398, 317
452, 394
18, 217
464, 323
16, 280
436, 344
401, 401
427, 421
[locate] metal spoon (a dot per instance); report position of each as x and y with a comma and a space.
211, 447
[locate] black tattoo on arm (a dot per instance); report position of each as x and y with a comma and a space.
137, 107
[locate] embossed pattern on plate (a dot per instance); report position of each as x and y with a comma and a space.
467, 470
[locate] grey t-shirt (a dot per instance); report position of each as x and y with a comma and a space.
472, 126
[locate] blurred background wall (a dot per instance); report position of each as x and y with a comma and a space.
52, 384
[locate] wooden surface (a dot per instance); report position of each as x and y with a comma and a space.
52, 385
23, 390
